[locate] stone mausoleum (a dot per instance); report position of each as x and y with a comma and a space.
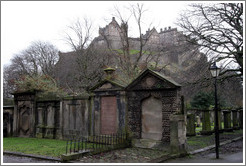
152, 99
146, 108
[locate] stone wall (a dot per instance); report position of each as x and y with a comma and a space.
24, 114
170, 105
47, 119
50, 118
75, 117
96, 114
144, 107
8, 120
159, 92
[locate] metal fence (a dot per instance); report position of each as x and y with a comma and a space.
96, 143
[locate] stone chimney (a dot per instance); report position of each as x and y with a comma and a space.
109, 72
161, 29
113, 18
169, 27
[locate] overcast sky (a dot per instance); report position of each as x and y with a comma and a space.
24, 22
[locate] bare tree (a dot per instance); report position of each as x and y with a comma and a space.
9, 77
39, 58
79, 34
90, 66
44, 57
138, 11
88, 61
218, 30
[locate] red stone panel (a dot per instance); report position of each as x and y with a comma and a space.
108, 115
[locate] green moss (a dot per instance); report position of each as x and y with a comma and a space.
134, 52
77, 97
40, 126
39, 135
49, 127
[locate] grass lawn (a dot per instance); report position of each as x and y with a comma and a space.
55, 148
46, 147
197, 142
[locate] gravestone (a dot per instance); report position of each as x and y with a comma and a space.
212, 117
191, 126
220, 120
227, 121
178, 139
235, 121
198, 121
241, 118
206, 124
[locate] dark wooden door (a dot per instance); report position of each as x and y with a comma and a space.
108, 115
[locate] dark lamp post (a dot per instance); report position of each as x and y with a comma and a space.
215, 71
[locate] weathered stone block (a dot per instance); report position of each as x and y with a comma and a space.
178, 141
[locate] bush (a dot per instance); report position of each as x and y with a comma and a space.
44, 83
202, 100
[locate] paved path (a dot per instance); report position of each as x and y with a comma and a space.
18, 159
230, 153
210, 158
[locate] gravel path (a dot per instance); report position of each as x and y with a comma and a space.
139, 155
127, 155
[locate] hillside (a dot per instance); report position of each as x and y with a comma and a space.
167, 49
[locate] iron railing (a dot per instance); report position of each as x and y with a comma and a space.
96, 143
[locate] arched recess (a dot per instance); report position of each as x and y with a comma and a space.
151, 118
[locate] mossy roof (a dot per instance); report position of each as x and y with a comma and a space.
156, 74
118, 82
112, 81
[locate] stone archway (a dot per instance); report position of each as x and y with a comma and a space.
151, 118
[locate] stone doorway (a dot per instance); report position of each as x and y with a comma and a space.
151, 118
108, 115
